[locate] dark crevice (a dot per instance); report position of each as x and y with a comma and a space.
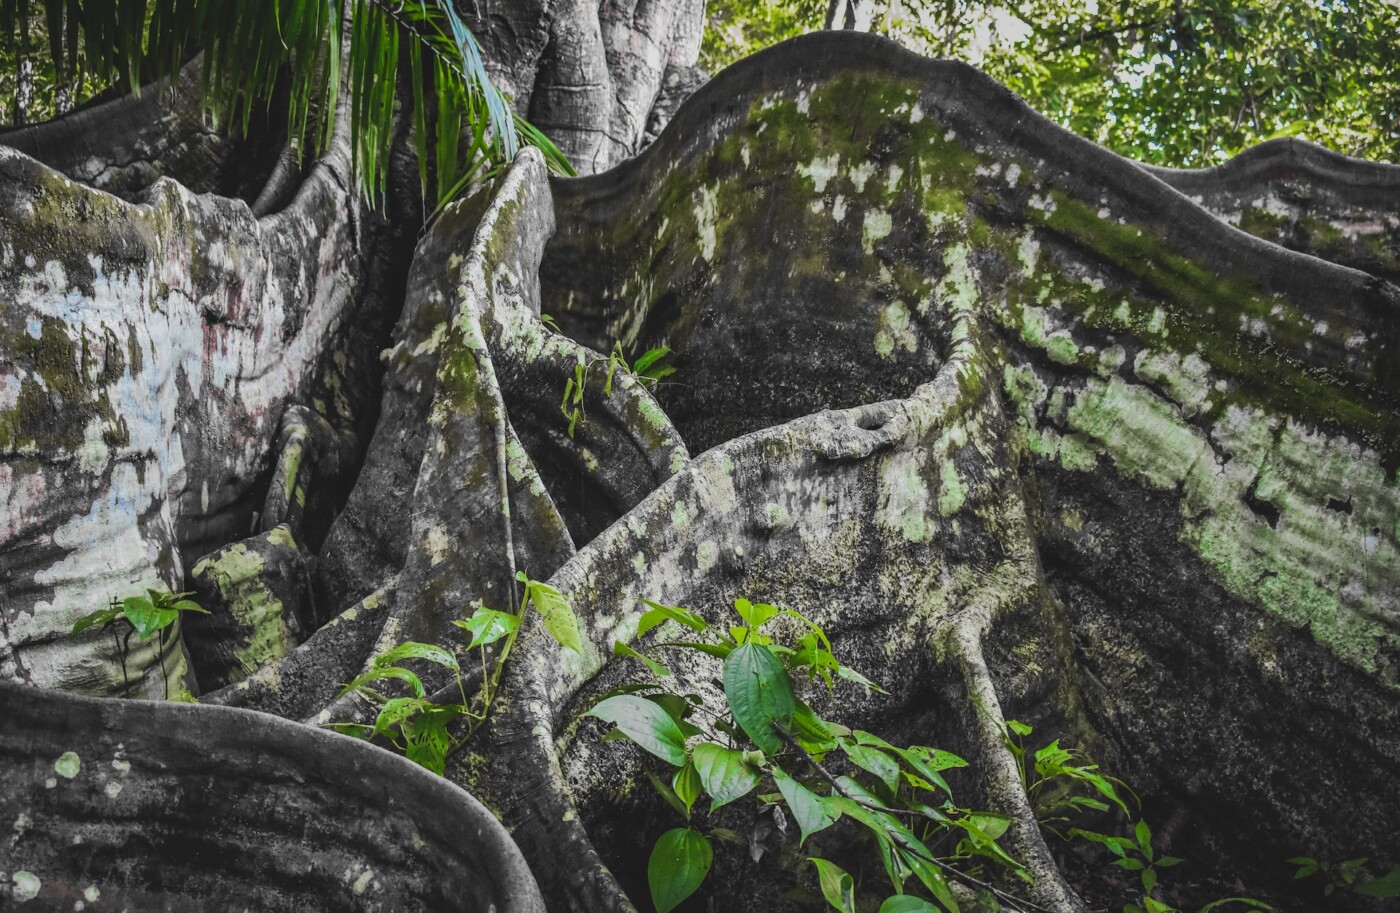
1339, 506
1261, 508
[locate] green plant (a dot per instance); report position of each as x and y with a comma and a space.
1348, 876
309, 49
647, 369
419, 725
145, 616
1056, 778
765, 735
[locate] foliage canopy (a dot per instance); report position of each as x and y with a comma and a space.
1163, 81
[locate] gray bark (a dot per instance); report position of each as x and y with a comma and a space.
1032, 431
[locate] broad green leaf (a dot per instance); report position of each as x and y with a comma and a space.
558, 617
646, 723
990, 823
657, 669
806, 806
679, 863
907, 903
677, 707
686, 783
932, 879
723, 772
837, 887
759, 693
754, 614
1018, 727
874, 761
1149, 880
486, 626
1388, 885
811, 731
412, 650
145, 617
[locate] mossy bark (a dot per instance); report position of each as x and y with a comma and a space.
1030, 432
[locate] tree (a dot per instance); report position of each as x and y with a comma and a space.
1031, 432
1179, 84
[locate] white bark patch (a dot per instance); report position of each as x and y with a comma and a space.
821, 171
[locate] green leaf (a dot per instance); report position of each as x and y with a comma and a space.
754, 614
1149, 879
851, 675
679, 863
380, 673
354, 730
686, 783
622, 649
932, 878
646, 723
837, 887
660, 613
145, 617
907, 903
991, 824
412, 650
1143, 835
558, 617
1018, 727
660, 786
101, 617
648, 358
487, 626
807, 807
1388, 885
811, 731
397, 710
759, 693
874, 761
723, 772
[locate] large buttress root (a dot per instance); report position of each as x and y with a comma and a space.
151, 349
1032, 434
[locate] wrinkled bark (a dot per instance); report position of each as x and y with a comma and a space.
1034, 432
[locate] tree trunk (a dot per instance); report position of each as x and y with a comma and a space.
1032, 431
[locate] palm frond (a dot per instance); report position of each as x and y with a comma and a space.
309, 49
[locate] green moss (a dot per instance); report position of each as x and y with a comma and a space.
1200, 311
952, 491
236, 574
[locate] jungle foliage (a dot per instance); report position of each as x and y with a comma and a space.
1186, 84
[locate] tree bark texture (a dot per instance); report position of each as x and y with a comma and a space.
1033, 431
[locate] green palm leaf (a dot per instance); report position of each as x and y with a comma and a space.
311, 50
